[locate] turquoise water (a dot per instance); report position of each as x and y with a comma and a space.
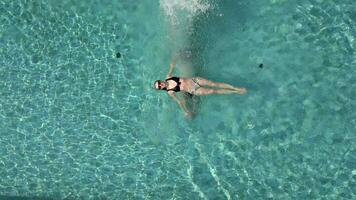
77, 122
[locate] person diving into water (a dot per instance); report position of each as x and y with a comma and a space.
193, 86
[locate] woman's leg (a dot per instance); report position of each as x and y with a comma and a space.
206, 91
202, 81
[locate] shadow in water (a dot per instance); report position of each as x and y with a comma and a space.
229, 20
213, 25
207, 29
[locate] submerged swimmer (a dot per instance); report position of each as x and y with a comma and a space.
194, 86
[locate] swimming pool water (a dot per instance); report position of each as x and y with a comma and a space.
77, 122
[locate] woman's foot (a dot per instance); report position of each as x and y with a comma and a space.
240, 90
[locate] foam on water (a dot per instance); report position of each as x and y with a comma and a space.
181, 17
189, 8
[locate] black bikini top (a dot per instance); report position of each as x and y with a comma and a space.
177, 87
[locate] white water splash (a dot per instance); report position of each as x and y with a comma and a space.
187, 8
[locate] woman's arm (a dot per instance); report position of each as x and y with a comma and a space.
180, 103
169, 74
171, 66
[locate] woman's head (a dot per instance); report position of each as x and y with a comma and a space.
159, 85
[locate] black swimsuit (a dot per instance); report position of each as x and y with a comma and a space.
177, 87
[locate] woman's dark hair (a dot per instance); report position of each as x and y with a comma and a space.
154, 84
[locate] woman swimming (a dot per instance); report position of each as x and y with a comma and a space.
194, 86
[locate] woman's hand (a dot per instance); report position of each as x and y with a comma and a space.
241, 90
188, 115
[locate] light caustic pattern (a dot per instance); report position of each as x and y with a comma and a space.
295, 141
66, 104
69, 107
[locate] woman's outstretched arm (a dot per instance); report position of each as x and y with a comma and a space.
169, 74
171, 66
181, 104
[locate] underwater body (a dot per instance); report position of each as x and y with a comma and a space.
79, 118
